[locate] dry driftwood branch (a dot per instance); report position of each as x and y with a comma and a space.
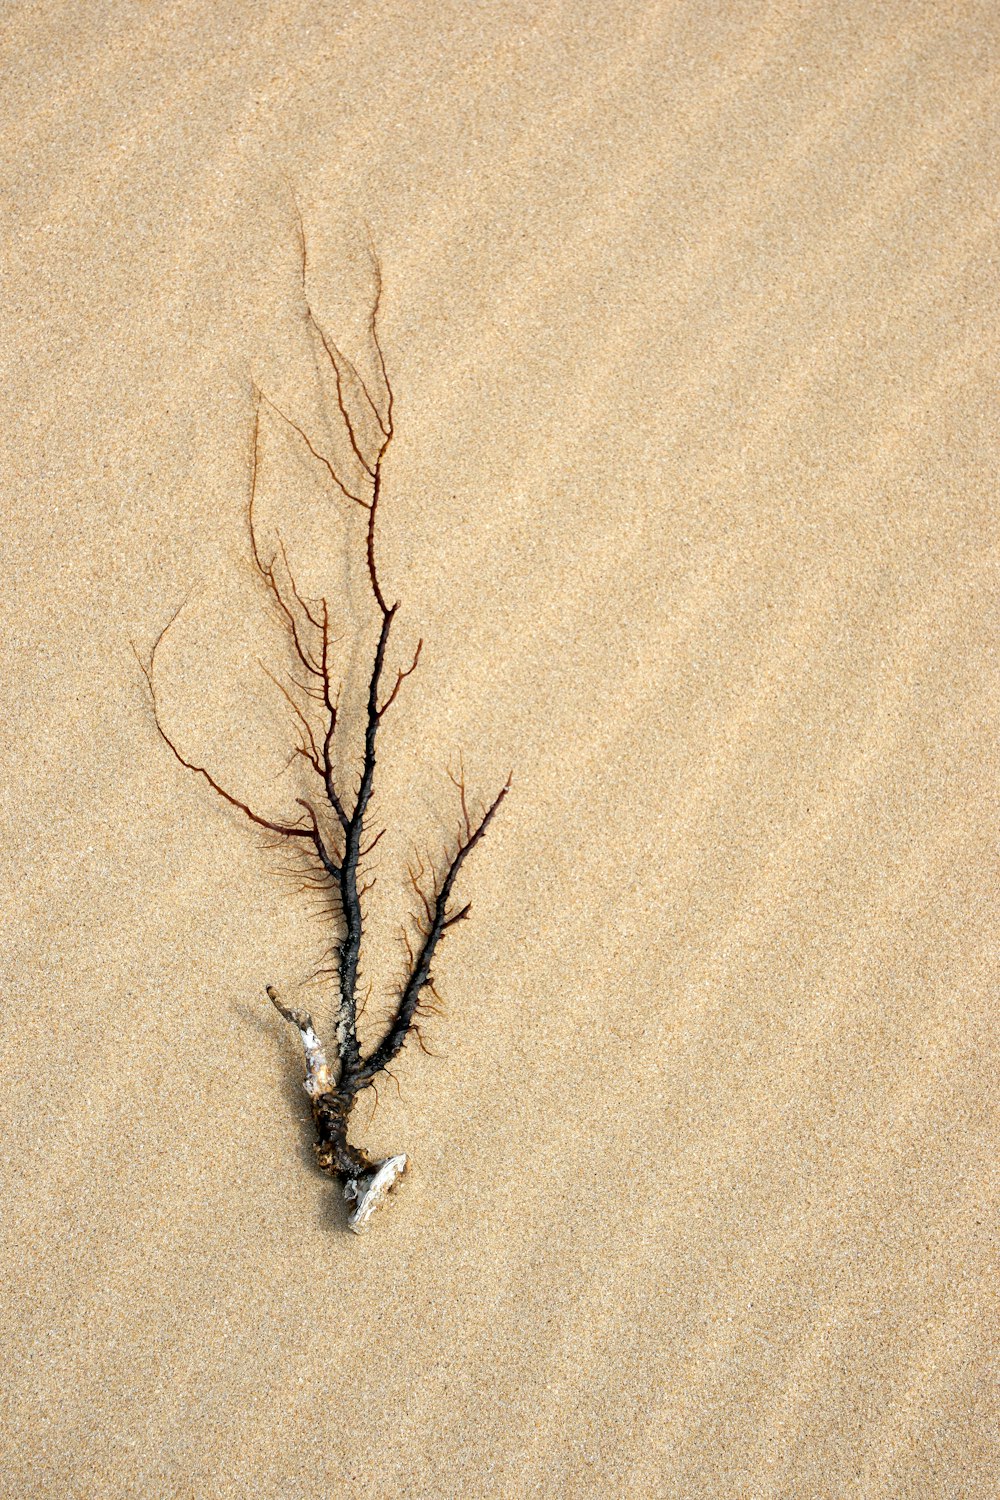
330, 824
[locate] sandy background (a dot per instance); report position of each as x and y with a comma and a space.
690, 311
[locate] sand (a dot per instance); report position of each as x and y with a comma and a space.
691, 317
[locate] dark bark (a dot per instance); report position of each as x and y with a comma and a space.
331, 1113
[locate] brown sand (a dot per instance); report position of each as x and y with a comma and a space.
690, 310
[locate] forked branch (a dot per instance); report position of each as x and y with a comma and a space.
331, 823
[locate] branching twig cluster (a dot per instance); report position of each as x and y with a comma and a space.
332, 822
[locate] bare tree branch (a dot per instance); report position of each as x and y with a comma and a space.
366, 416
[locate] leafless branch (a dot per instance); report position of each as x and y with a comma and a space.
366, 415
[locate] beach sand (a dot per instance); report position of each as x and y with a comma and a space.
690, 313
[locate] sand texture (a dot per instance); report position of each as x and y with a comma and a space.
691, 316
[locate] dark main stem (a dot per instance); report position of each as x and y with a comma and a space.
350, 949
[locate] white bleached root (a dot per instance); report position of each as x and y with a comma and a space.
318, 1079
370, 1192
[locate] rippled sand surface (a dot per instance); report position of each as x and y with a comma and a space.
690, 313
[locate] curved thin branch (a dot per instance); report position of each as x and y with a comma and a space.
316, 453
334, 355
286, 830
266, 570
385, 425
312, 754
401, 677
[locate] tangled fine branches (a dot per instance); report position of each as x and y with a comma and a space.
331, 824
